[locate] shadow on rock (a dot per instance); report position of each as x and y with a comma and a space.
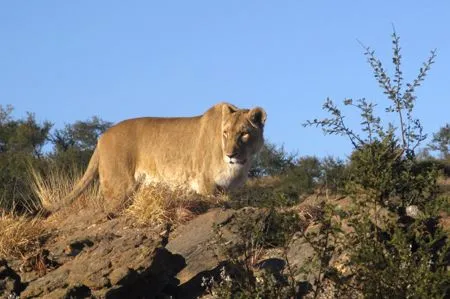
10, 283
158, 280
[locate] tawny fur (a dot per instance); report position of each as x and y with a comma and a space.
203, 153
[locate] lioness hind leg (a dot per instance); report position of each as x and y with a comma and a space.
115, 174
116, 191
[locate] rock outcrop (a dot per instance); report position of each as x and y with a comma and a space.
104, 259
89, 255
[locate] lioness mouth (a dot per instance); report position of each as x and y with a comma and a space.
242, 162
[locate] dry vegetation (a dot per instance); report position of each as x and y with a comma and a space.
52, 189
20, 235
156, 205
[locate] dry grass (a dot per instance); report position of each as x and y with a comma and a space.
19, 235
156, 205
52, 188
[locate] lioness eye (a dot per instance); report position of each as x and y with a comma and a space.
225, 134
245, 137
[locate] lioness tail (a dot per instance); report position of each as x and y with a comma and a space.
88, 177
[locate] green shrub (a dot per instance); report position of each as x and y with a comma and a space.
271, 161
394, 181
334, 174
441, 165
21, 147
391, 254
441, 142
73, 146
25, 145
397, 257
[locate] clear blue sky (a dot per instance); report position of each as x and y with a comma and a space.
70, 60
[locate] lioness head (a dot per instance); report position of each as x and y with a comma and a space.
242, 133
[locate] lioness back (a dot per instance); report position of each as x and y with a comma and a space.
203, 153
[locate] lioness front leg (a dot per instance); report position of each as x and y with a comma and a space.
206, 187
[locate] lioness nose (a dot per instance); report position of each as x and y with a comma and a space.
232, 155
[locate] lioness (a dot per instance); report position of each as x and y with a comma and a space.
203, 153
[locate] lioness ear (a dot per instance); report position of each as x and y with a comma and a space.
228, 109
257, 117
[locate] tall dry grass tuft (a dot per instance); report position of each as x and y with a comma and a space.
159, 204
52, 188
19, 235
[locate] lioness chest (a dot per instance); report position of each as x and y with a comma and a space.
226, 177
232, 175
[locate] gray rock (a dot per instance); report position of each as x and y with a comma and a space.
10, 283
127, 263
413, 211
194, 242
